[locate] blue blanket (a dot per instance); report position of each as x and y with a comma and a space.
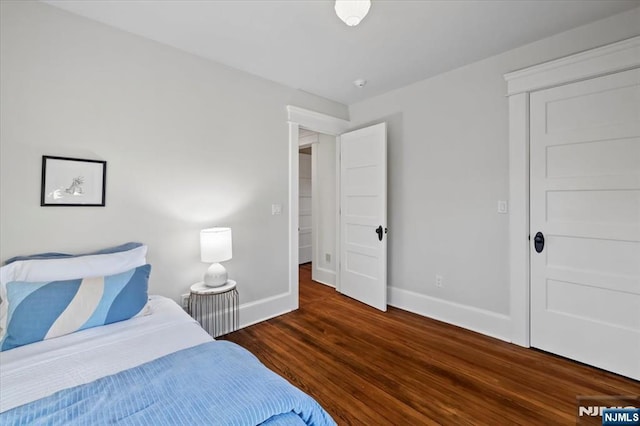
216, 383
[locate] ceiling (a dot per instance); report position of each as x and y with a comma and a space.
304, 45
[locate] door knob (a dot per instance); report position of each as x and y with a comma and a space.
538, 242
379, 231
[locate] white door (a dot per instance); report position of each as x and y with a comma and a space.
305, 210
585, 200
363, 215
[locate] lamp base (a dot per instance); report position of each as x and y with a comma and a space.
215, 276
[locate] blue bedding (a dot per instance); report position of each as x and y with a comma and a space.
215, 383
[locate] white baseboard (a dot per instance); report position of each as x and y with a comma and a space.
324, 276
474, 319
262, 310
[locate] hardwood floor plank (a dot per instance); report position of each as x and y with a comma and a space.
370, 367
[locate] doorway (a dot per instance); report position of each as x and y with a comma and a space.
360, 211
319, 123
305, 212
317, 211
554, 165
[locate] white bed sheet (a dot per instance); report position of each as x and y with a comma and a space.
37, 370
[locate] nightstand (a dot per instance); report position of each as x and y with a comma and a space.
215, 308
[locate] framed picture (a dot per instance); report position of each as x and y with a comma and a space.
72, 182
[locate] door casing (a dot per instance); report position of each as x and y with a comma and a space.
596, 62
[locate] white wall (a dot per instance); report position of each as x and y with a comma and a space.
189, 144
448, 167
324, 171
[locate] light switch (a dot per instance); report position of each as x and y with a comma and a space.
276, 209
502, 207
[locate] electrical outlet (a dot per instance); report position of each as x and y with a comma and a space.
503, 207
184, 300
439, 280
327, 257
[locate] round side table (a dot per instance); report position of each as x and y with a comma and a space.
215, 308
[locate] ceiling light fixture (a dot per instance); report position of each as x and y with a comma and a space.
352, 11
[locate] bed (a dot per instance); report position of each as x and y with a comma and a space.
158, 367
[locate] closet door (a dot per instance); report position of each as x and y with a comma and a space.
585, 203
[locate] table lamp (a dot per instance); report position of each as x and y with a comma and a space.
215, 247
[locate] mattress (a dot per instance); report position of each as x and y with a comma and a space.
34, 371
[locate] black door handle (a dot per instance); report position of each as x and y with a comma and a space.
379, 232
538, 242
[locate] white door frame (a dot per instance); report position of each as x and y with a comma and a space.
321, 123
608, 59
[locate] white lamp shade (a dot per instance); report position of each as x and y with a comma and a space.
215, 245
352, 11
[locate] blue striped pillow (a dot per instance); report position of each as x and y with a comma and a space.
55, 255
39, 311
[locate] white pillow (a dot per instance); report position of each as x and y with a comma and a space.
68, 268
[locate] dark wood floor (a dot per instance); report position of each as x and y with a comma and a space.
367, 367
